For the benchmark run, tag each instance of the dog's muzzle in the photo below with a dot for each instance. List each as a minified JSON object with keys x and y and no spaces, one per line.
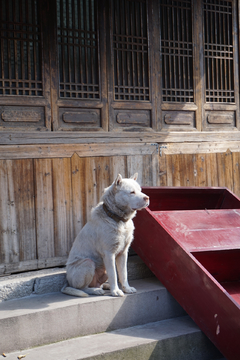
{"x":147,"y":202}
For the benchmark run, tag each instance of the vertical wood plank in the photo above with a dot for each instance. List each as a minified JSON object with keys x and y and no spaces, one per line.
{"x":102,"y":8}
{"x":201,"y":170}
{"x":53,"y":73}
{"x":162,"y":179}
{"x":190,"y":178}
{"x":62,"y":195}
{"x":44,"y":208}
{"x":4,"y":243}
{"x":176,"y":170}
{"x":23,"y":179}
{"x":235,"y":10}
{"x":228,"y":170}
{"x":78,"y":173}
{"x":90,"y":185}
{"x":198,"y":61}
{"x":102,"y":175}
{"x":9,"y":243}
{"x":211,"y":170}
{"x":46,"y":64}
{"x":118,"y":165}
{"x":147,"y":172}
{"x":155,"y":169}
{"x":169,"y":170}
{"x":221,"y":168}
{"x":155,"y":64}
{"x":183,"y":170}
{"x":236,"y":173}
{"x":135,"y":165}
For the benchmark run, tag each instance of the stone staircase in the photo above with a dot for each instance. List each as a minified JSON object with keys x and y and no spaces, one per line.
{"x":38,"y":321}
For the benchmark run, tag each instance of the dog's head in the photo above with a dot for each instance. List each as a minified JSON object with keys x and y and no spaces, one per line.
{"x":127,"y":194}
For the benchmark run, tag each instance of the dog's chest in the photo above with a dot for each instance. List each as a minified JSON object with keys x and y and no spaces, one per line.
{"x":123,"y":237}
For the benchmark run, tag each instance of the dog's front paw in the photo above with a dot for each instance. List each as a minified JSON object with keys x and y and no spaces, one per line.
{"x":117,"y":293}
{"x":129,"y":289}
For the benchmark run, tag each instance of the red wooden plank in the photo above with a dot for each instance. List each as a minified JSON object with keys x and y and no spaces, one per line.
{"x":191,"y":198}
{"x":203,"y":229}
{"x":165,"y":248}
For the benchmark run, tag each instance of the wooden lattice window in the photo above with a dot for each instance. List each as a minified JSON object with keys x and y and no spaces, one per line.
{"x":21,"y":58}
{"x":176,"y":50}
{"x":218,"y":51}
{"x":130,"y":46}
{"x":78,"y":49}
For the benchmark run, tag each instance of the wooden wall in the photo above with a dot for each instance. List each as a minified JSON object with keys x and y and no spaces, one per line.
{"x":47,"y":193}
{"x":214,"y":169}
{"x":45,"y":201}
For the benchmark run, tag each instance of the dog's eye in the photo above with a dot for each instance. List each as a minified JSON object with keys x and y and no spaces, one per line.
{"x":132,"y":192}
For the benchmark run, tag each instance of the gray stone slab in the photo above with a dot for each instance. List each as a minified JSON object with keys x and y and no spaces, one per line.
{"x":42,"y":319}
{"x":32,"y":282}
{"x":174,"y":339}
{"x":52,"y":280}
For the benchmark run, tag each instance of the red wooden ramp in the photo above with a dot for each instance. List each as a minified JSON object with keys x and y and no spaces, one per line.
{"x":190,"y":239}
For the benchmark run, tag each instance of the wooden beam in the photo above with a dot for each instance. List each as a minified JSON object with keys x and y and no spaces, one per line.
{"x":27,"y":137}
{"x":201,"y":147}
{"x":67,"y":151}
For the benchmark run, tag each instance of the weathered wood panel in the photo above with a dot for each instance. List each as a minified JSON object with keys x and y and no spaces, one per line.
{"x":118,"y":165}
{"x":78,"y":173}
{"x":23,"y":183}
{"x":67,"y":151}
{"x":206,"y":141}
{"x":44,"y":208}
{"x":236,"y":173}
{"x":90,"y":183}
{"x":211,"y":169}
{"x":9,"y":244}
{"x":45,"y":202}
{"x":62,"y":204}
{"x":215,"y":169}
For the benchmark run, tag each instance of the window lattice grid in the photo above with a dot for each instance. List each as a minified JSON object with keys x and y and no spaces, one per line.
{"x":20,"y":46}
{"x":78,"y":49}
{"x":130,"y":47}
{"x":218,"y":52}
{"x":176,"y":50}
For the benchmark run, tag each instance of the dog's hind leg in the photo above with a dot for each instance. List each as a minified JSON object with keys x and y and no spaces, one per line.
{"x":68,"y":290}
{"x":99,"y":278}
{"x":106,"y":286}
{"x":81,"y":275}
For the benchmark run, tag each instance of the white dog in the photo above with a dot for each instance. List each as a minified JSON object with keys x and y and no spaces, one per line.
{"x":103,"y":243}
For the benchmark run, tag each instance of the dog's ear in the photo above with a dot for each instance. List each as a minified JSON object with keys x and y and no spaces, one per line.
{"x":134,"y":177}
{"x":118,"y":180}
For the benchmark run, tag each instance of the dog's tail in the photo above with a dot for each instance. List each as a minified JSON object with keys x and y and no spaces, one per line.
{"x":73,"y":292}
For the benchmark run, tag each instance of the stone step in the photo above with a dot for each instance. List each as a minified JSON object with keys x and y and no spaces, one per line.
{"x":172,"y":339}
{"x":42,"y":319}
{"x":52,"y":280}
